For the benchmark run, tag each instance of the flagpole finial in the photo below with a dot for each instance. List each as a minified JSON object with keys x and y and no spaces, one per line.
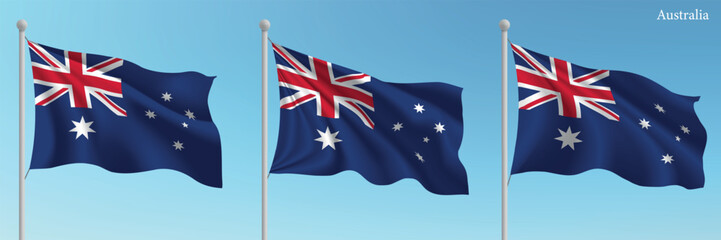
{"x":22,"y":25}
{"x":504,"y":24}
{"x":264,"y":24}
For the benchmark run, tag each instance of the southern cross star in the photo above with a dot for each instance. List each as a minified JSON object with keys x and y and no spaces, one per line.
{"x":190,"y":114}
{"x":178,"y":145}
{"x":685,"y":129}
{"x":659,"y":108}
{"x":185,"y":125}
{"x":166,"y":96}
{"x":150,"y":114}
{"x":667,"y":158}
{"x":328,"y":138}
{"x":439,"y":127}
{"x":568,"y":138}
{"x":644,"y":124}
{"x":419,"y":108}
{"x":82,"y":128}
{"x":397,"y":126}
{"x":426,"y":139}
{"x":420,"y":158}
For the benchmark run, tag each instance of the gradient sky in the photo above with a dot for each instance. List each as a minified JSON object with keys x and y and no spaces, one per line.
{"x":456,"y":42}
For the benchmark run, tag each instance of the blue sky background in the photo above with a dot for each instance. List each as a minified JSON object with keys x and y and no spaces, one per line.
{"x":456,"y":42}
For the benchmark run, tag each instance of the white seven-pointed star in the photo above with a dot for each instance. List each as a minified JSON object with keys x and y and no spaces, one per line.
{"x":439,"y":127}
{"x":644,"y":124}
{"x":150,"y":114}
{"x":178,"y":145}
{"x":82,"y":128}
{"x":419,"y":108}
{"x":397,"y":126}
{"x":426,"y":139}
{"x":166,"y":96}
{"x":667,"y":158}
{"x":659,"y":108}
{"x":185,"y":125}
{"x":678,"y":139}
{"x":420,"y":158}
{"x":685,"y":129}
{"x":568,"y":138}
{"x":190,"y":114}
{"x":328,"y":138}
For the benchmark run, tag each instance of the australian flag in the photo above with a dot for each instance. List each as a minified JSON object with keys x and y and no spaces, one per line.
{"x":573,"y":119}
{"x":335,"y":119}
{"x":114,"y":114}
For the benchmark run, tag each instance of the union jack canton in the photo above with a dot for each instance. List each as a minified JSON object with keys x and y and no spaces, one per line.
{"x":324,"y":86}
{"x":73,"y":76}
{"x":561,"y":85}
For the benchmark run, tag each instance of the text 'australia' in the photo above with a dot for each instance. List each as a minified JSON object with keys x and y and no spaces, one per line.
{"x":697,"y":14}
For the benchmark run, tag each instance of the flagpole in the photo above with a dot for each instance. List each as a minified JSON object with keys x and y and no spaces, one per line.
{"x":264,"y":26}
{"x":504,"y":24}
{"x":22,"y":25}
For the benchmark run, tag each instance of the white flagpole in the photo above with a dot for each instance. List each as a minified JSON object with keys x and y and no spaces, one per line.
{"x":264,"y":26}
{"x":504,"y":24}
{"x":22,"y":25}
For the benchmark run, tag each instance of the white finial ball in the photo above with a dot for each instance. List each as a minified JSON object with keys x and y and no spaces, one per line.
{"x":504,"y":24}
{"x":22,"y":25}
{"x":264,"y":24}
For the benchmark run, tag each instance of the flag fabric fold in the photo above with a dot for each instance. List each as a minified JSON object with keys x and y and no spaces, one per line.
{"x":335,"y":119}
{"x":119,"y":116}
{"x":573,"y":119}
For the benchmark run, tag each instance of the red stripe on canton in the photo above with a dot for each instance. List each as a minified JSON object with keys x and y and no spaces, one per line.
{"x":113,"y":104}
{"x":594,"y":74}
{"x":52,"y":97}
{"x":297,"y":101}
{"x":527,"y":59}
{"x":538,"y":101}
{"x":32,"y":45}
{"x":365,"y":116}
{"x":111,"y":61}
{"x":605,"y":110}
{"x":348,"y":78}
{"x":287,"y":58}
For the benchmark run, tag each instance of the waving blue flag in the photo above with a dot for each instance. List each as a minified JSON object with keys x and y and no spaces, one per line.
{"x":573,"y":119}
{"x":335,"y":119}
{"x":114,"y":114}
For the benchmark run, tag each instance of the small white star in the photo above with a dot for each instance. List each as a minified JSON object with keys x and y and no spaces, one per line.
{"x":678,"y":139}
{"x":82,"y":128}
{"x":644,"y":124}
{"x":190,"y":114}
{"x":328,"y":138}
{"x":150,"y":114}
{"x":178,"y":145}
{"x":659,"y":108}
{"x":420,"y":158}
{"x":439,"y":127}
{"x":568,"y":138}
{"x":685,"y":129}
{"x":166,"y":96}
{"x":419,"y":108}
{"x":667,"y":158}
{"x":185,"y":125}
{"x":397,"y":126}
{"x":426,"y":139}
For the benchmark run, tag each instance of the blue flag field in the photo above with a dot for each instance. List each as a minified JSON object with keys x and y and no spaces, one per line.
{"x":335,"y":119}
{"x":573,"y":119}
{"x":114,"y":114}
